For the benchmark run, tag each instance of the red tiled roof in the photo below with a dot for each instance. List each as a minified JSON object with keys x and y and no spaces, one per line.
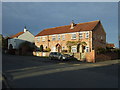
{"x":110,"y":45}
{"x":87,"y":26}
{"x":16,"y":35}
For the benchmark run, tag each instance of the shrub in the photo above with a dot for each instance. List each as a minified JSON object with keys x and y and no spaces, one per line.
{"x":41,"y":48}
{"x":69,"y":47}
{"x":64,"y":51}
{"x":47,"y":50}
{"x":101,"y":50}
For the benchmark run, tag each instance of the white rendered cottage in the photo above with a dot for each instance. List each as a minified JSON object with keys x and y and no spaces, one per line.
{"x":19,"y":38}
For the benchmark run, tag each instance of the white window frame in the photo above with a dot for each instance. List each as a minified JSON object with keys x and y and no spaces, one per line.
{"x":87,"y":49}
{"x":53,"y":37}
{"x":63,"y":48}
{"x":43,"y":38}
{"x":73,"y":36}
{"x":87,"y":35}
{"x":63,"y":37}
{"x":38,"y":39}
{"x":80,"y":35}
{"x":58,"y":37}
{"x":74,"y":49}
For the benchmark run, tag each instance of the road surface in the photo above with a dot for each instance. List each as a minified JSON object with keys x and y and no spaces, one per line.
{"x":37,"y":72}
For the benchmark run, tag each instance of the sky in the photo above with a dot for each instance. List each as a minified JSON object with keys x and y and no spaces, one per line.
{"x":37,"y":16}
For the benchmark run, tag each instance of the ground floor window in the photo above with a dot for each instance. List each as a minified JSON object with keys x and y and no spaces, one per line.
{"x":74,"y":49}
{"x":87,"y":49}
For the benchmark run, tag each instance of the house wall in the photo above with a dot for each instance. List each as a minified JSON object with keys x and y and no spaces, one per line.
{"x":68,"y":37}
{"x":12,"y":41}
{"x":99,"y":37}
{"x":27,"y":36}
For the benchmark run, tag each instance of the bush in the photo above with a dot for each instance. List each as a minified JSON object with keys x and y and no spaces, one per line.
{"x":64,"y":51}
{"x":47,"y":50}
{"x":101,"y":50}
{"x":41,"y":48}
{"x":69,"y":48}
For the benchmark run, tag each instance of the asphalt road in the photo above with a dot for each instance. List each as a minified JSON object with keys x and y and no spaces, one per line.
{"x":37,"y":72}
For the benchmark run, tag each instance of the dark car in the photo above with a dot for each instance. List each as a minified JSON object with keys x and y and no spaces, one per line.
{"x":59,"y":56}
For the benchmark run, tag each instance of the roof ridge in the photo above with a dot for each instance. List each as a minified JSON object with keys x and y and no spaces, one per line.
{"x":17,"y":34}
{"x":69,"y":25}
{"x":84,"y":26}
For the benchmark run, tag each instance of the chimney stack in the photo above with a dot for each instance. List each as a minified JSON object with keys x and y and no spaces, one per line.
{"x":25,"y":29}
{"x":72,"y":24}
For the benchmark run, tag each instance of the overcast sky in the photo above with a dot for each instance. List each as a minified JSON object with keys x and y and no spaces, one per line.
{"x":40,"y":15}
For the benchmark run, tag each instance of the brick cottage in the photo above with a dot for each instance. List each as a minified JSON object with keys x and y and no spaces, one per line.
{"x":82,"y":38}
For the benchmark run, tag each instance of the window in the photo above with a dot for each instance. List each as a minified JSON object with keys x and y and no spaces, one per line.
{"x":58,"y":37}
{"x":38,"y":39}
{"x":63,"y":37}
{"x":87,"y":49}
{"x":43,"y":38}
{"x":74,"y":36}
{"x":63,"y":48}
{"x":80,"y":36}
{"x":53,"y":38}
{"x":87,"y":35}
{"x":74,"y":49}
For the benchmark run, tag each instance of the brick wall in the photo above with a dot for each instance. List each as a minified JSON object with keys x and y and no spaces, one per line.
{"x":106,"y":56}
{"x":41,"y":53}
{"x":62,"y":43}
{"x":99,"y":37}
{"x":90,"y":56}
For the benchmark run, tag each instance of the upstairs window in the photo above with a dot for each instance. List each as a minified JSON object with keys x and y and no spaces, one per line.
{"x":43,"y":38}
{"x":53,"y":38}
{"x":63,"y":37}
{"x":74,"y":36}
{"x":38,"y":39}
{"x":87,"y":34}
{"x":80,"y":35}
{"x":58,"y":37}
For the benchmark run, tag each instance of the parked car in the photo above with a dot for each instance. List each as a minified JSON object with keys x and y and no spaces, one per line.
{"x":60,"y":56}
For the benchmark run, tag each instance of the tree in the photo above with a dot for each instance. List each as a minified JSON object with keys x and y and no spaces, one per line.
{"x":41,"y":48}
{"x":26,"y":47}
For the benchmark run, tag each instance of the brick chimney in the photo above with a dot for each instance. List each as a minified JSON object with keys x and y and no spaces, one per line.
{"x":72,"y":24}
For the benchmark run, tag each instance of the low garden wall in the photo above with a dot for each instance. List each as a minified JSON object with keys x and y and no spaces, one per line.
{"x":41,"y":53}
{"x":89,"y":57}
{"x":106,"y":56}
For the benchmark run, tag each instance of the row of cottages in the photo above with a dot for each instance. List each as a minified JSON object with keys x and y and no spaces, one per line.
{"x":15,"y":40}
{"x":82,"y":38}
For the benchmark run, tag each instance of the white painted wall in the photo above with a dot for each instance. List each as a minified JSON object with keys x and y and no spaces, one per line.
{"x":26,"y":36}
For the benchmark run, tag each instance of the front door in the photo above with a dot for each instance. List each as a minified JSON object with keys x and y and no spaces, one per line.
{"x":82,"y":53}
